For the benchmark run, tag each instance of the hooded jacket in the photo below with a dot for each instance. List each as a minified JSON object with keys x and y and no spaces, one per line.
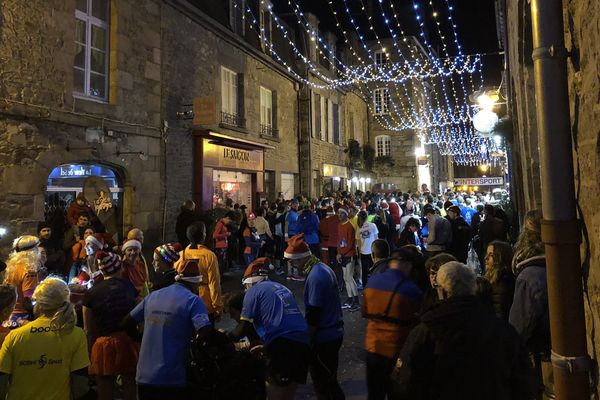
{"x":529,"y":311}
{"x":460,"y":350}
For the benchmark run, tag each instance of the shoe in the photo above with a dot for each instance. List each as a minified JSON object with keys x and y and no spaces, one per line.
{"x":354,"y":307}
{"x":346,"y":306}
{"x":298,"y":278}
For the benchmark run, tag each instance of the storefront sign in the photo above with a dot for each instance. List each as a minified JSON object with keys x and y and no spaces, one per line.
{"x":331,"y":170}
{"x":228,"y":157}
{"x":205,"y":110}
{"x":485,"y":181}
{"x":76,"y":171}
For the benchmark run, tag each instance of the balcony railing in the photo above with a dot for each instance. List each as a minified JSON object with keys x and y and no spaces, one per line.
{"x":268,"y":130}
{"x":232,"y":119}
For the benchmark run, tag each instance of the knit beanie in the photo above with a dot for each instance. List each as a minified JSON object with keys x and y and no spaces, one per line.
{"x":169,"y":253}
{"x":108,"y":263}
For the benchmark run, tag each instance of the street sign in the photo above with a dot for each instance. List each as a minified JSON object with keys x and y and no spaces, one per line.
{"x":485,"y":181}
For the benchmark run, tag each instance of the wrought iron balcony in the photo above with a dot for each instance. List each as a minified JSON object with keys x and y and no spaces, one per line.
{"x":232,"y":119}
{"x":268,"y":130}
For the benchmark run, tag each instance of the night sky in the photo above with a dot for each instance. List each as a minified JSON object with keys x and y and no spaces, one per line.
{"x":475,"y":23}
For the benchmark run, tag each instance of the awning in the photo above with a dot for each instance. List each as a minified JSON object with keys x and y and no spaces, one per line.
{"x":232,"y":141}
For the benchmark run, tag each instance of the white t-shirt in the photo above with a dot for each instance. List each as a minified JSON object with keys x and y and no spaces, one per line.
{"x":368,"y":234}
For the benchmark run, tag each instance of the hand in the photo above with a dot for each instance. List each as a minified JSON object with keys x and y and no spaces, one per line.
{"x":338,"y":258}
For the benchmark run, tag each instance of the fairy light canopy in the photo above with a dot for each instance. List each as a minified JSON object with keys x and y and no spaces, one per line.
{"x":404,"y":53}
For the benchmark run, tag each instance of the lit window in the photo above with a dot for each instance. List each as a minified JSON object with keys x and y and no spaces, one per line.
{"x":383,"y":146}
{"x":90,"y":65}
{"x":381,"y":100}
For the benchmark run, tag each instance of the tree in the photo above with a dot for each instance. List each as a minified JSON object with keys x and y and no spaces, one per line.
{"x":368,"y":156}
{"x":354,"y":153}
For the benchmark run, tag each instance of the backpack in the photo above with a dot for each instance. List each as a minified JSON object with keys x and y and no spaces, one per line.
{"x":183,"y":263}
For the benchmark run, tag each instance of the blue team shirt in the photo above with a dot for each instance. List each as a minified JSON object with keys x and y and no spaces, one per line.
{"x":292,"y":220}
{"x":467,"y":213}
{"x":171,"y":317}
{"x":272,"y":309}
{"x":322,"y":291}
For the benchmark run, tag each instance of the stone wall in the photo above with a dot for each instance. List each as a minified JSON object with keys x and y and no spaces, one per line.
{"x":582,"y":35}
{"x":195,"y":49}
{"x":40,"y":117}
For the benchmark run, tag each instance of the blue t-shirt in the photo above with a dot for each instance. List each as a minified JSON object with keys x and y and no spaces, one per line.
{"x":322,"y":291}
{"x":467,"y":213}
{"x":308,"y":223}
{"x":171,"y":317}
{"x":292,"y":220}
{"x":272,"y":309}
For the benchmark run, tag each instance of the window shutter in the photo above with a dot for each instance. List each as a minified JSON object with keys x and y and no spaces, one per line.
{"x":317,"y":115}
{"x":240,"y":98}
{"x":274,"y":113}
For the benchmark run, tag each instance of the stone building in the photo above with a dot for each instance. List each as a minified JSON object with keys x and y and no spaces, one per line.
{"x":582,"y":35}
{"x":401,"y":160}
{"x":329,"y":118}
{"x":243,"y":137}
{"x":80,"y":111}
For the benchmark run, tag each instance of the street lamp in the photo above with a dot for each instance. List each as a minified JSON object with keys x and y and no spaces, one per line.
{"x":484,"y":167}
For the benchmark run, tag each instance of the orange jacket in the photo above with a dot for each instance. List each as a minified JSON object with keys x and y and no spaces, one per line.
{"x":220,"y":235}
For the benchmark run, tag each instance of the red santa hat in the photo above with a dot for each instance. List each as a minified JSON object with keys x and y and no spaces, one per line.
{"x":257,"y":271}
{"x":297,"y":248}
{"x":96,"y":240}
{"x":131,"y":243}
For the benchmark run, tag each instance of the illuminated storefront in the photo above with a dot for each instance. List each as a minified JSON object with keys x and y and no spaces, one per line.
{"x":227,"y":168}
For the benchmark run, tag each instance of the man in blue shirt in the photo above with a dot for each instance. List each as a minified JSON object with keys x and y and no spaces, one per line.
{"x":171,"y":317}
{"x":323,"y":315}
{"x":272,"y":309}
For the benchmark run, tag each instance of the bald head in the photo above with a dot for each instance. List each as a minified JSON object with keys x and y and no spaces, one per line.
{"x":136,"y":234}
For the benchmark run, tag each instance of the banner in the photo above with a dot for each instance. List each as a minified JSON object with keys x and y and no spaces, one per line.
{"x":485,"y":181}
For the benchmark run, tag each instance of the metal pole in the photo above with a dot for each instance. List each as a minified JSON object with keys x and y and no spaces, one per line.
{"x":561,"y":232}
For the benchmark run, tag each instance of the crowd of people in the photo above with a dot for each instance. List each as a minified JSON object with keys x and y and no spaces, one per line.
{"x":453,"y":310}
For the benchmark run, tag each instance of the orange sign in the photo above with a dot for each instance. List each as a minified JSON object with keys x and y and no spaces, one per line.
{"x":205,"y":110}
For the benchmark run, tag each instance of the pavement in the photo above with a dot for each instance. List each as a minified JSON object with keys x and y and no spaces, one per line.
{"x":351,"y":370}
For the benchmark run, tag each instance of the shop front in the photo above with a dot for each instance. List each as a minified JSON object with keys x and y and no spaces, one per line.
{"x":334,"y":178}
{"x":227,"y":168}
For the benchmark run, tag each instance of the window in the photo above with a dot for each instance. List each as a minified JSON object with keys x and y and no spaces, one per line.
{"x":330,"y":120}
{"x":336,"y":123}
{"x":268,"y":116}
{"x":265,"y":26}
{"x":323,"y":118}
{"x":90,"y":66}
{"x":382,"y":101}
{"x":237,"y":17}
{"x":287,"y":185}
{"x":230,"y":105}
{"x":381,"y":59}
{"x":316,"y":115}
{"x":383,"y":146}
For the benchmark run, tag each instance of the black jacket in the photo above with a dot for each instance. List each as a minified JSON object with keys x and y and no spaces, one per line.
{"x":460,"y":350}
{"x":502,"y":295}
{"x":185,"y":219}
{"x":461,"y":237}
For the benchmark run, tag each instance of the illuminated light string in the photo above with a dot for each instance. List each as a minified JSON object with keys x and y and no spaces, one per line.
{"x":304,"y":59}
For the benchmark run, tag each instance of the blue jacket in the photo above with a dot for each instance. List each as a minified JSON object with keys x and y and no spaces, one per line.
{"x":308,"y":223}
{"x":529,"y":312}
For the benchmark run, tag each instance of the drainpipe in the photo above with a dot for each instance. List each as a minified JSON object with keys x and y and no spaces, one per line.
{"x":561,"y":231}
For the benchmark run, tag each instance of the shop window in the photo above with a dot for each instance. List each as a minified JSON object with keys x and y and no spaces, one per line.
{"x":91,"y":64}
{"x":232,"y":185}
{"x":383,"y":146}
{"x":101,"y":186}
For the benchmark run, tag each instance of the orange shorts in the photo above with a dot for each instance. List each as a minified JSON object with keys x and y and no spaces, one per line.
{"x":116,"y":354}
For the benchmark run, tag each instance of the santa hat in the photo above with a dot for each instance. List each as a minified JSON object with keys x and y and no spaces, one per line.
{"x":169,"y":253}
{"x":108,"y":263}
{"x":131,"y":243}
{"x":330,"y":211}
{"x":96,"y":239}
{"x":188,"y":271}
{"x":297,"y":248}
{"x":384,"y":205}
{"x":257,"y":271}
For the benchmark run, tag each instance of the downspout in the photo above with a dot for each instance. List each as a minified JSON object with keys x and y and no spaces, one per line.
{"x":561,"y":230}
